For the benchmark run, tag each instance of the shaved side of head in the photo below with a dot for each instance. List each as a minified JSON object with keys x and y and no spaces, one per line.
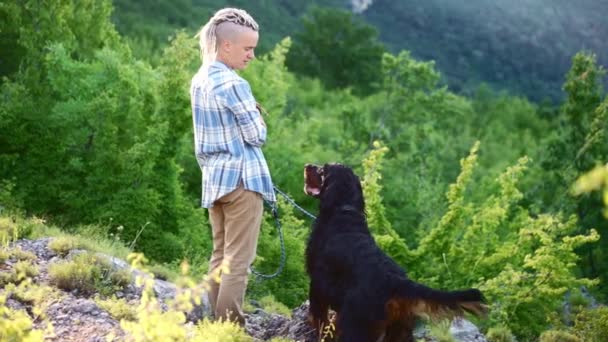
{"x":228,"y":31}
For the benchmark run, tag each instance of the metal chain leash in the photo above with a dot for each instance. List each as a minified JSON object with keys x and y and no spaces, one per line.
{"x":275,"y":213}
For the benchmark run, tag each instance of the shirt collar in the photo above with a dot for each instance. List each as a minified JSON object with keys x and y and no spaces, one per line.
{"x":219,"y":65}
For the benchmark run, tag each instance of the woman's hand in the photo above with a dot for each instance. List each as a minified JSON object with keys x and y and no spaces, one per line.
{"x":260,"y":109}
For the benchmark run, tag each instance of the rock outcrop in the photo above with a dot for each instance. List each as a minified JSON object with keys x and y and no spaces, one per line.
{"x":76,"y":316}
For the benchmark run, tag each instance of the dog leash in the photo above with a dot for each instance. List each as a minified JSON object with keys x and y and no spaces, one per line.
{"x":292,"y":202}
{"x":275,"y":213}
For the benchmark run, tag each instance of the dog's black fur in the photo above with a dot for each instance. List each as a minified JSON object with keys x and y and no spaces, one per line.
{"x":371,"y":295}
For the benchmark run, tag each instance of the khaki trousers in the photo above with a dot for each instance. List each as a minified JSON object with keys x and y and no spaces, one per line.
{"x":235,"y":222}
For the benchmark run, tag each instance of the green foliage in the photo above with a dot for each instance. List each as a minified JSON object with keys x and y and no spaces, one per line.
{"x":426,"y":128}
{"x":20,"y":271}
{"x":89,"y":110}
{"x":559,"y":336}
{"x":88,"y":273}
{"x":9,"y":230}
{"x":35,"y":295}
{"x":479,"y":41}
{"x":117,"y":308}
{"x":9,"y":203}
{"x":592,"y":324}
{"x":148,"y":27}
{"x":16,"y":325}
{"x":339,"y":49}
{"x":500,"y":333}
{"x":21,"y":255}
{"x":577,"y":299}
{"x":152,"y":323}
{"x":579,"y":145}
{"x":270,"y":304}
{"x":30,"y":26}
{"x":24,"y":269}
{"x":164,"y":272}
{"x":441,"y":331}
{"x":4,"y":254}
{"x":596,"y":179}
{"x":220,"y":331}
{"x":523,"y":263}
{"x":99,"y":141}
{"x":380,"y":227}
{"x":63,"y":245}
{"x":291,"y":286}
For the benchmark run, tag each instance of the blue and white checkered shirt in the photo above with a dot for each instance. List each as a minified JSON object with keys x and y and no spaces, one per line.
{"x":228,"y":134}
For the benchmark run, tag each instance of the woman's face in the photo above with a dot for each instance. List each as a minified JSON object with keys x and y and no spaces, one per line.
{"x":240,"y":50}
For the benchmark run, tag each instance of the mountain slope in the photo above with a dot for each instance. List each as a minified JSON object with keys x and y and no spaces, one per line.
{"x":525,"y":46}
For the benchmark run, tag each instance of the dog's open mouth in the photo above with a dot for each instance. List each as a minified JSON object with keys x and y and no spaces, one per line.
{"x":313,"y":180}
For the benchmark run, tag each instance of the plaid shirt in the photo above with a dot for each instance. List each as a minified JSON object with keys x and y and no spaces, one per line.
{"x":228,"y":135}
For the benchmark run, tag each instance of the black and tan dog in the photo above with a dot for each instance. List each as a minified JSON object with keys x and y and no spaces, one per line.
{"x":371,"y":295}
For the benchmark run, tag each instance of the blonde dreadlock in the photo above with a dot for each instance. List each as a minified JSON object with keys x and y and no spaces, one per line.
{"x":208,"y":40}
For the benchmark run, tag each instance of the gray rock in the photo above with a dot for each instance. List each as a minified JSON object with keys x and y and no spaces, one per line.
{"x":84,"y":306}
{"x":465,"y":331}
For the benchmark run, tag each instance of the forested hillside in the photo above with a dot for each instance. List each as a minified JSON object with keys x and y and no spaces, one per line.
{"x":461,"y":190}
{"x":523,"y":47}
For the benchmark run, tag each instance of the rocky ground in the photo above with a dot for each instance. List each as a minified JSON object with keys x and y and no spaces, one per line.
{"x":77,"y":317}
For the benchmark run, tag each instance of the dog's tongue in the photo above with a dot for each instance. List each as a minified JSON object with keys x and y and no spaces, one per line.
{"x":312,"y":191}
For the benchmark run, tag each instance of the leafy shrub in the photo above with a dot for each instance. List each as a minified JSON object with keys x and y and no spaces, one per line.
{"x":9,"y":230}
{"x":500,"y":333}
{"x":220,"y":331}
{"x":152,"y":323}
{"x":592,"y":324}
{"x":578,"y":299}
{"x":577,"y":303}
{"x":117,"y":308}
{"x":79,"y":273}
{"x":62,"y":245}
{"x":20,"y":271}
{"x":4,"y":254}
{"x":270,"y":304}
{"x":15,"y":253}
{"x":22,"y":255}
{"x":88,"y":273}
{"x":8,"y":201}
{"x":32,"y":294}
{"x":559,"y":336}
{"x":16,"y":325}
{"x":39,"y":297}
{"x":163,"y":272}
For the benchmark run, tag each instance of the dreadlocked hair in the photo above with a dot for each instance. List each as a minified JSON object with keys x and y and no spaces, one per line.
{"x":208,"y":34}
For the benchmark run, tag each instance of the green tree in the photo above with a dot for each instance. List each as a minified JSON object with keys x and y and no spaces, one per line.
{"x":338,"y":48}
{"x":524,"y":263}
{"x":579,"y":143}
{"x":88,"y":132}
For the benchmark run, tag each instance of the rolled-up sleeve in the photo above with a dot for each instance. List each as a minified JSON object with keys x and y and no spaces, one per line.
{"x":241,"y":102}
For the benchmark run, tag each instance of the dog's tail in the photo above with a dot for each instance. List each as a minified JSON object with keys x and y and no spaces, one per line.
{"x":417,"y":299}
